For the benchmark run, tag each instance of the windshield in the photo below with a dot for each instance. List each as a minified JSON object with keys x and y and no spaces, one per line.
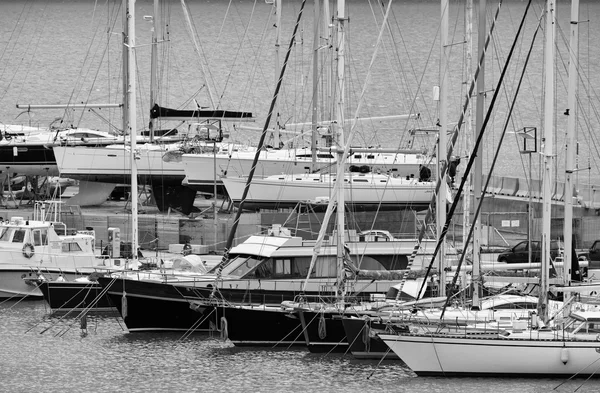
{"x":240,"y":266}
{"x":5,"y":236}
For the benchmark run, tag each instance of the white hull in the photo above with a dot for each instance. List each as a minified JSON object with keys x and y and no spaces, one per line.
{"x":14,"y":283}
{"x":360,"y":189}
{"x":111,"y":164}
{"x":200,"y":168}
{"x":447,"y":355}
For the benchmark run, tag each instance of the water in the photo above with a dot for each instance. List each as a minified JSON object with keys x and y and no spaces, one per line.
{"x":39,"y":352}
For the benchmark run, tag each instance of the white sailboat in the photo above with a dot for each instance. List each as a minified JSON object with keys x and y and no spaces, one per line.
{"x":237,"y":162}
{"x":368,"y":191}
{"x":564,"y":345}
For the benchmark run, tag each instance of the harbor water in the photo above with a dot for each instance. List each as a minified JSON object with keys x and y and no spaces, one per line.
{"x":53,"y":354}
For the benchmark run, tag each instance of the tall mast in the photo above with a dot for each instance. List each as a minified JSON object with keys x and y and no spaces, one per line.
{"x":466,"y":199}
{"x":443,"y":141}
{"x":339,"y":131}
{"x":570,"y":140}
{"x":131,"y":125}
{"x":154,"y":67}
{"x":315,"y":83}
{"x":125,"y":70}
{"x":478,"y":163}
{"x":547,"y":152}
{"x":277,"y":132}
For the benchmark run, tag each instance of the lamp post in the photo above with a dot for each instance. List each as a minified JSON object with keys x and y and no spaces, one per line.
{"x":529,"y":135}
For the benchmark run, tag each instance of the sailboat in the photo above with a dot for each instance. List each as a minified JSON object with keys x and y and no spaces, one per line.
{"x":563,"y":344}
{"x":111,"y":165}
{"x":364,"y":191}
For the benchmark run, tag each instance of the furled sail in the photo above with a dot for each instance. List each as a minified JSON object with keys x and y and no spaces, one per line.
{"x":198,"y":114}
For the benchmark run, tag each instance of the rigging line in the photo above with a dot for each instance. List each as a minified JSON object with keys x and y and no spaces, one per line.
{"x":403,"y":75}
{"x":477,"y":143}
{"x":262,"y":139}
{"x":224,"y":19}
{"x":429,"y":214}
{"x":20,"y":25}
{"x":199,"y":51}
{"x":247,"y":89}
{"x":415,"y":96}
{"x":394,"y":74}
{"x":499,"y":59}
{"x":40,"y":28}
{"x":81,"y":76}
{"x":241,"y":46}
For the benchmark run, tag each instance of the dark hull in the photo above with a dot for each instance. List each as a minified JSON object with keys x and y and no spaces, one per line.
{"x":75,"y":296}
{"x":363,"y":342}
{"x":323,"y":332}
{"x":259,"y":327}
{"x":120,"y":178}
{"x":32,"y":159}
{"x":206,"y":186}
{"x":156,"y":306}
{"x":153,"y":306}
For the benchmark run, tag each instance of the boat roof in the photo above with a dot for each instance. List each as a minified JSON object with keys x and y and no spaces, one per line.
{"x":265,"y":245}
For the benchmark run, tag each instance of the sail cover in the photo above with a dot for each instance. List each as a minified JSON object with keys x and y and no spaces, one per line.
{"x":198,"y":114}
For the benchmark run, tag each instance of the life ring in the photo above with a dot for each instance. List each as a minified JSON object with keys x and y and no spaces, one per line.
{"x":28,"y":250}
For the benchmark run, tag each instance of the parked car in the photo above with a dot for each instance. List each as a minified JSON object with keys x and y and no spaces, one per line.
{"x":594,"y":255}
{"x":520,"y":252}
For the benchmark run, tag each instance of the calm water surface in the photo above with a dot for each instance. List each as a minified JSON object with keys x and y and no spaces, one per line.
{"x":38,"y":353}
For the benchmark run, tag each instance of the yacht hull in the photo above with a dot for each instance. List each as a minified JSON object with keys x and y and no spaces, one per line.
{"x":471,"y":356}
{"x":371,"y":192}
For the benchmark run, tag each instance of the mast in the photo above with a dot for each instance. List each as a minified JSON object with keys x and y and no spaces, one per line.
{"x":443,"y":142}
{"x":478,"y":167}
{"x":277,"y":132}
{"x":130,"y":120}
{"x":466,"y":222}
{"x":339,"y":132}
{"x":570,"y":142}
{"x":125,"y":68}
{"x":547,"y":152}
{"x":315,"y":84}
{"x":154,"y":67}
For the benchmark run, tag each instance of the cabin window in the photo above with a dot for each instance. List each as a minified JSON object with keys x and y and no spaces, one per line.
{"x":283,"y":267}
{"x":19,"y":236}
{"x":70,"y":247}
{"x":40,"y":237}
{"x":240,"y":266}
{"x":264,"y":271}
{"x":301,"y":266}
{"x":326,"y":267}
{"x":5,"y":236}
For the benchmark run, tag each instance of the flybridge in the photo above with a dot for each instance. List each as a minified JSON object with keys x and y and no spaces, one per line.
{"x":198,"y":114}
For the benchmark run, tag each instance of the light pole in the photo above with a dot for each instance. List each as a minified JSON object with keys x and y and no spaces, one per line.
{"x":529,"y":135}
